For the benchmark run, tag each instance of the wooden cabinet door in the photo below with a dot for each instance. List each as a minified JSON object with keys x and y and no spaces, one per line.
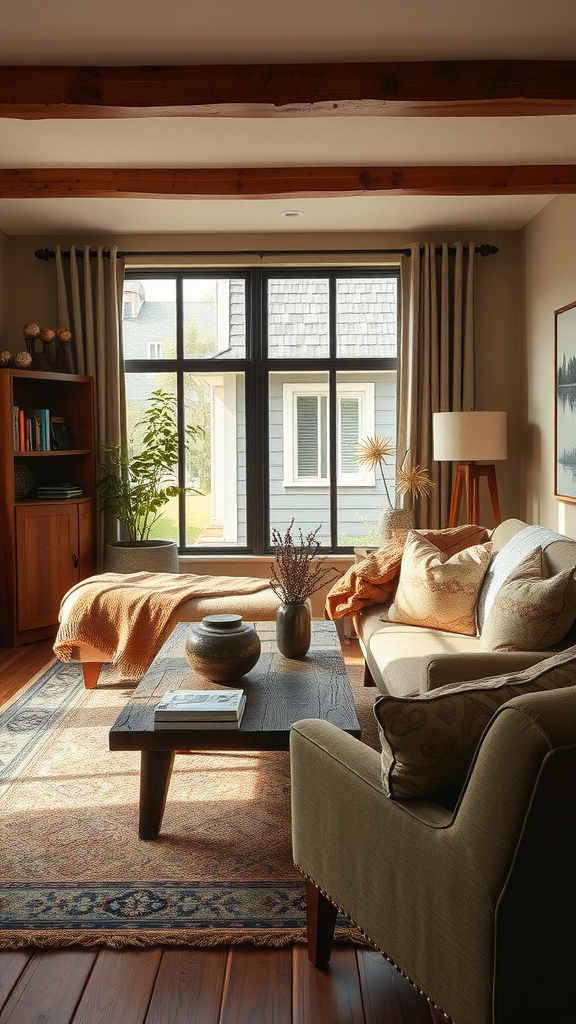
{"x":46,"y":561}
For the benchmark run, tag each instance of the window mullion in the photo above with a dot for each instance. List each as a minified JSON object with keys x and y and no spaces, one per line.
{"x":333,"y":415}
{"x":257,"y":419}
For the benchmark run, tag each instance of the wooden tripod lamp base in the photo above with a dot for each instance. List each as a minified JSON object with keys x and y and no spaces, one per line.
{"x":468,"y":476}
{"x":467,"y":438}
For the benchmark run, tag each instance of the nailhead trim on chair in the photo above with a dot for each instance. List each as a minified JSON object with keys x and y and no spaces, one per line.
{"x":389,"y":959}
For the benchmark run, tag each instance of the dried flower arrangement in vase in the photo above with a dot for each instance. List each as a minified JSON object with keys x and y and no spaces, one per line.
{"x":411,"y":480}
{"x":297,"y":573}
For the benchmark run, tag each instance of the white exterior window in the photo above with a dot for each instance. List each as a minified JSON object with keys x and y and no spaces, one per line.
{"x":306,"y":446}
{"x":155,"y":350}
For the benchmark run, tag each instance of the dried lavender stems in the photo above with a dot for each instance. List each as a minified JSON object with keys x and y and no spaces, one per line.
{"x":297,"y":572}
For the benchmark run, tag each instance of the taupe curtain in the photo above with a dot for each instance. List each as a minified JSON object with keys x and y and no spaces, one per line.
{"x":90,"y":305}
{"x":436,"y":360}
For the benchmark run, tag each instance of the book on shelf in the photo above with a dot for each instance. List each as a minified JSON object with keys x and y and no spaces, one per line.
{"x":33,"y":430}
{"x":61,"y":434}
{"x":16,"y":428}
{"x":22,"y":429}
{"x":188,"y":709}
{"x":59,"y":491}
{"x":39,"y":436}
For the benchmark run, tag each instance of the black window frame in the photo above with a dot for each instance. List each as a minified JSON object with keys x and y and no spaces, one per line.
{"x":256,"y":367}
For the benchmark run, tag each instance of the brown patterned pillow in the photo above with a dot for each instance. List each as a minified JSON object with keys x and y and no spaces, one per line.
{"x":437,"y":591}
{"x":429,"y":741}
{"x":531,"y":611}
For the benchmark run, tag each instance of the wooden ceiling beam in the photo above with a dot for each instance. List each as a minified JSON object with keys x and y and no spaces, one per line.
{"x":285,"y":182}
{"x":472,"y":88}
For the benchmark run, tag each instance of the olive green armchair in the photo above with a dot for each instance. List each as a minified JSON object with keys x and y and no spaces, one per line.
{"x":475,"y":905}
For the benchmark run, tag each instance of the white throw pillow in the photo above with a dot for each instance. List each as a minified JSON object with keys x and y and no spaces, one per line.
{"x":531,"y":611}
{"x":437,"y":591}
{"x":504,"y":562}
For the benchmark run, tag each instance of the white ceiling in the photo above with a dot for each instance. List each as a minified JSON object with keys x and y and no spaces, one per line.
{"x":181,"y":31}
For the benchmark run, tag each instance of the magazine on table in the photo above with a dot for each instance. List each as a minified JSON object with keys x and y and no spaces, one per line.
{"x":193,"y":725}
{"x":201,"y":706}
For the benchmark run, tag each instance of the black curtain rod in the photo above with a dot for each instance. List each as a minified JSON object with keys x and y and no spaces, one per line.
{"x":49,"y":254}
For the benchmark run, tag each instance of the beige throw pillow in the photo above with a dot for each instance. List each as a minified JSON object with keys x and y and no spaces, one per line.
{"x":437,"y":591}
{"x":429,"y":741}
{"x":531,"y":611}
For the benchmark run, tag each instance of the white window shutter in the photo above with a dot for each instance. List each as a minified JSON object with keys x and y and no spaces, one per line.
{"x":349,"y":434}
{"x":307,"y":436}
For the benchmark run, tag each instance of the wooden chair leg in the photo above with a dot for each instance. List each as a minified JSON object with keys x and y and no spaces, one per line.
{"x":321,"y":917}
{"x":91,"y":671}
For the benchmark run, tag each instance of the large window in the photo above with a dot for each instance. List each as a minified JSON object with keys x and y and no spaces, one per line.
{"x":285,"y":372}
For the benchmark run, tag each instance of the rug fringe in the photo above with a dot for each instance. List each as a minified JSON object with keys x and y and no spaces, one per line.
{"x":135,"y":939}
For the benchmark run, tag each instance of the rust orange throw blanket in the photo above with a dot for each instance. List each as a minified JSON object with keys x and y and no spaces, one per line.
{"x":127,"y":617}
{"x":374,"y":579}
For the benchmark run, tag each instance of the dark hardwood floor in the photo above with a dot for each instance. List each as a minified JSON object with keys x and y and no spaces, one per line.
{"x":235,"y":985}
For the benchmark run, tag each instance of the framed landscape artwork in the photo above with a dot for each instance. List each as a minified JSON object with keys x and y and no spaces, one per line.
{"x":565,"y":414}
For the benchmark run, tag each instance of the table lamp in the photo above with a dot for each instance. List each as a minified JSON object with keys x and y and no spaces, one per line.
{"x":466,"y":438}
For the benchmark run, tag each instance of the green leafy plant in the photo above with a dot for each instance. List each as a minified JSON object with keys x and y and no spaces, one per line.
{"x":135,"y":487}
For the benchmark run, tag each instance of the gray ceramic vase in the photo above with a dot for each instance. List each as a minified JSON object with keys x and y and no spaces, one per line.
{"x":222,"y":647}
{"x":293,"y":630}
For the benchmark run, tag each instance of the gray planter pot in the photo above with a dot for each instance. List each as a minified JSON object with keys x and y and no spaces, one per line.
{"x":127,"y":556}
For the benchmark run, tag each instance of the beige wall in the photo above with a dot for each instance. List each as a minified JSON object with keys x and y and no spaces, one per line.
{"x":549,"y":254}
{"x":31,"y":286}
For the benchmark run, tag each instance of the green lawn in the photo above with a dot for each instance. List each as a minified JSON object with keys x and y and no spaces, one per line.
{"x":198,"y":512}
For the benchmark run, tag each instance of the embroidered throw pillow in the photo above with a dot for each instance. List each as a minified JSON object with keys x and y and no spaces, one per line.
{"x":429,"y":741}
{"x":437,"y":591}
{"x":504,"y":562}
{"x":531,"y":611}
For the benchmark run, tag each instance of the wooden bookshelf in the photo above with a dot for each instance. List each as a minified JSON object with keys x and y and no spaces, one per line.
{"x":46,"y":544}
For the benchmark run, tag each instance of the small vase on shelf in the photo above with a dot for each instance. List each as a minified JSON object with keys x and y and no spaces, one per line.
{"x":293,"y":630}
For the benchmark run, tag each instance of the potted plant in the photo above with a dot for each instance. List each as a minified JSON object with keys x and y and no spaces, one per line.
{"x":297,"y":573}
{"x":411,"y":480}
{"x":136,"y":486}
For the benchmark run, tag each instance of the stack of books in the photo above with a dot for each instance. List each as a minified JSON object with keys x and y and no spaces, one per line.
{"x":60,"y":491}
{"x":35,"y":430}
{"x":200,"y":709}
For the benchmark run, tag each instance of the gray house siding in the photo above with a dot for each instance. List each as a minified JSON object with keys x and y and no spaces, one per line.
{"x":359,"y":507}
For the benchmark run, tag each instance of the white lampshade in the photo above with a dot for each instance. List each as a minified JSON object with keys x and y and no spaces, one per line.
{"x":469,"y":436}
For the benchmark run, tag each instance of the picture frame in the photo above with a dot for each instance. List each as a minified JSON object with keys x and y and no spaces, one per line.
{"x":565,"y":403}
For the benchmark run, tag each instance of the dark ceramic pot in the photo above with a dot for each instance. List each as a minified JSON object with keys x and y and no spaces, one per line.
{"x":222,"y":647}
{"x":293,"y":630}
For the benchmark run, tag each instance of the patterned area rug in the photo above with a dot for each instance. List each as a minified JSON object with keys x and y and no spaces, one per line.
{"x":74,"y":871}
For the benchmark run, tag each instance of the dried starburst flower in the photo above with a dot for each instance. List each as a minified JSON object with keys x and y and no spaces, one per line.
{"x":415,"y":482}
{"x":373,"y":453}
{"x":298,"y":572}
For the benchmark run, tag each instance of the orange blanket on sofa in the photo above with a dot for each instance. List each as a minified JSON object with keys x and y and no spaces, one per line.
{"x":374,"y":579}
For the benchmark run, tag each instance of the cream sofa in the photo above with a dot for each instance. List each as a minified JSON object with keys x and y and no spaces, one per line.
{"x":403,"y":660}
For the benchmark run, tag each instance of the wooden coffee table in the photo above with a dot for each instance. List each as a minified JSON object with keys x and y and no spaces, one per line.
{"x":279,"y":692}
